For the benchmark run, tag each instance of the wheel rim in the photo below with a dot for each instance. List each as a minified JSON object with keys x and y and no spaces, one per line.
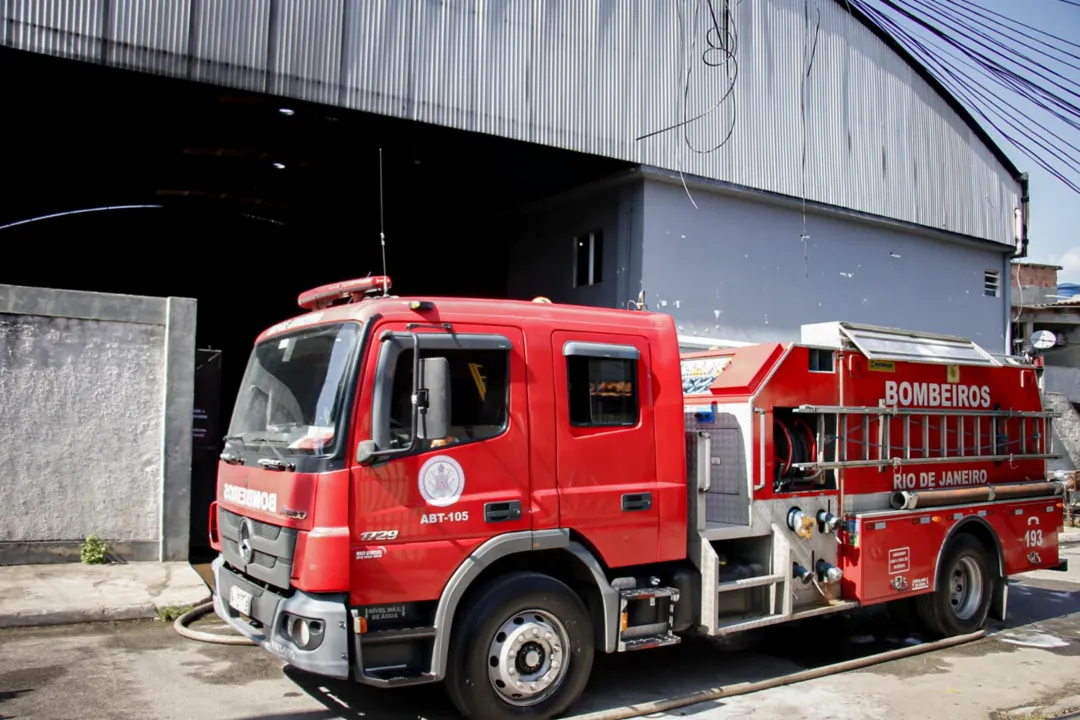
{"x":966,"y":588}
{"x":527,"y":658}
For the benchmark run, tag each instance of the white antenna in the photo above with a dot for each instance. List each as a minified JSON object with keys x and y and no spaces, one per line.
{"x":382,"y":229}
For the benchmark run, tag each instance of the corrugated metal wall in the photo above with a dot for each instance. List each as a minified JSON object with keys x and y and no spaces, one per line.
{"x":587,"y":75}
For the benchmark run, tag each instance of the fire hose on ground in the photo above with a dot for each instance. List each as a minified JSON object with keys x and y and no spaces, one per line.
{"x":718,"y":693}
{"x":181,"y":626}
{"x":658,"y":706}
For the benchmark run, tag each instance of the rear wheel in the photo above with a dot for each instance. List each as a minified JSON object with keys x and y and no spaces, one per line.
{"x":960,"y":602}
{"x":523,"y":647}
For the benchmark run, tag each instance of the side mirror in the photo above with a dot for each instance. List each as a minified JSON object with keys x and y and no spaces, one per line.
{"x":366,"y":452}
{"x":434,"y":422}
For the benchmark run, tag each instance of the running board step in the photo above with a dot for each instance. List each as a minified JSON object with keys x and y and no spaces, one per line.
{"x":392,"y":677}
{"x":633,"y":594}
{"x":650,"y":641}
{"x":744,"y":583}
{"x":646,"y":617}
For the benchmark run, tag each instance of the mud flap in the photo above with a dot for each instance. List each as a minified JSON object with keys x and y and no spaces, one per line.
{"x":999,"y":601}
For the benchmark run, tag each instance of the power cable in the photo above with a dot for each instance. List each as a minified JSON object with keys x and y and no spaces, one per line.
{"x":966,"y":25}
{"x":961,"y":9}
{"x":990,"y":62}
{"x":961,"y":88}
{"x":963,"y":54}
{"x":988,"y":11}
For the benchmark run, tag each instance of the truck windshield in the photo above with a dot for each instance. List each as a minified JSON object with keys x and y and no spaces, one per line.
{"x":293,"y":394}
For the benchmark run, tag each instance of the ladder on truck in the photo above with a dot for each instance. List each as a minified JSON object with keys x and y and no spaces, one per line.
{"x":1035,"y":441}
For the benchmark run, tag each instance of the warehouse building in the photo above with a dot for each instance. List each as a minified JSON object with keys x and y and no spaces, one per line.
{"x":747,"y":167}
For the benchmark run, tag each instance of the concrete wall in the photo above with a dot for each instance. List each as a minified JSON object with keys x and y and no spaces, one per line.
{"x":735,"y":268}
{"x":96,"y":395}
{"x":541,"y":255}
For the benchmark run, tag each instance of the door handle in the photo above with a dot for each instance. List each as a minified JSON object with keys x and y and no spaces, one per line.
{"x":502,"y":511}
{"x":636,"y":501}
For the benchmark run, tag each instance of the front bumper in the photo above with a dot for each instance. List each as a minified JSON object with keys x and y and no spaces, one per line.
{"x":268,"y":607}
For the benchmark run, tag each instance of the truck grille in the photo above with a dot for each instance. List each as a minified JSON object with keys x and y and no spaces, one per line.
{"x":272,"y":546}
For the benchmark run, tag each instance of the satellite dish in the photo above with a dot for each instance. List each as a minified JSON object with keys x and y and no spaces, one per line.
{"x":1043,"y":339}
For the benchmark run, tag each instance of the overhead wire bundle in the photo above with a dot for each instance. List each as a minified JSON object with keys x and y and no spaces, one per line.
{"x":1002,"y":69}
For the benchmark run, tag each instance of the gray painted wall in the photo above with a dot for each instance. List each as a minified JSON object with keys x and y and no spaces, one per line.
{"x":735,"y":269}
{"x":1062,"y":388}
{"x":1062,"y":379}
{"x":96,"y":402}
{"x":589,"y":76}
{"x":541,"y":255}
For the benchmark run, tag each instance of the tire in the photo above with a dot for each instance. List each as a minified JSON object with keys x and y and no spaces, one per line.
{"x":960,"y":603}
{"x":554,"y":632}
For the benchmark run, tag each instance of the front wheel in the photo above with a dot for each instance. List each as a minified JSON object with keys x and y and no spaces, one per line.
{"x":523,"y":647}
{"x":960,"y":603}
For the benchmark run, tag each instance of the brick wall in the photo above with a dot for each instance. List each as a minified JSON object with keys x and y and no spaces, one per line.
{"x":1042,"y":276}
{"x":1033,"y":284}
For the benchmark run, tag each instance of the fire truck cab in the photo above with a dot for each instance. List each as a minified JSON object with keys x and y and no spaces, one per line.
{"x":488,"y":492}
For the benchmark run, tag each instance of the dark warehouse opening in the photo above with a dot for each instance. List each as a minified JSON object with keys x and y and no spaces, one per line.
{"x":242,"y":201}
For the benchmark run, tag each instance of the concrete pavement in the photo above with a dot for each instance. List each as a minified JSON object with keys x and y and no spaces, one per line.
{"x":75,"y":593}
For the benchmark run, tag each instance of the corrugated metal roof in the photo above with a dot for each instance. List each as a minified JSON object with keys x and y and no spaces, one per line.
{"x":589,"y":76}
{"x":1060,"y":304}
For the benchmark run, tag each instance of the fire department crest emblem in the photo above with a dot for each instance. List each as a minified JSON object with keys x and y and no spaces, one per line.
{"x":441,"y":481}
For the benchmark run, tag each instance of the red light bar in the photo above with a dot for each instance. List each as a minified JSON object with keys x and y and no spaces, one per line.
{"x":325,"y":295}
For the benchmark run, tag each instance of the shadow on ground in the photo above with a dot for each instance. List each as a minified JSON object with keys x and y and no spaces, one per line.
{"x":700,"y":664}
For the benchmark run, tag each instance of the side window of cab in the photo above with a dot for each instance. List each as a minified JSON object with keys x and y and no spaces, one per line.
{"x":479,"y":395}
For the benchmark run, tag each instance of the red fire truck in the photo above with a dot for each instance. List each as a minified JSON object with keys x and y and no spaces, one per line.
{"x":489,"y":492}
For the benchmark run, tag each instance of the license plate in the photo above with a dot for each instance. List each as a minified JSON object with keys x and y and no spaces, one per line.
{"x":240,"y":601}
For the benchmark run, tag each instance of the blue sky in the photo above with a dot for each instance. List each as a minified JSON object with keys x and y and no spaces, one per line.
{"x":1054,"y":226}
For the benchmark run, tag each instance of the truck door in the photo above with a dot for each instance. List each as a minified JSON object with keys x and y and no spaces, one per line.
{"x":416,"y":516}
{"x":606,"y":447}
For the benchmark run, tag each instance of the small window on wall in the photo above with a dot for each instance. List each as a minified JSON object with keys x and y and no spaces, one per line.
{"x":602,"y":385}
{"x":991,"y":283}
{"x":588,"y":259}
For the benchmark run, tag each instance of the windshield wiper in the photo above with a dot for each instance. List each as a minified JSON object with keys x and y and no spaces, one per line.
{"x":275,"y":464}
{"x":232,"y":458}
{"x":263,"y":440}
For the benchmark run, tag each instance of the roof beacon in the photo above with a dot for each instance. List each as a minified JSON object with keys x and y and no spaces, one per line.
{"x":348,"y":290}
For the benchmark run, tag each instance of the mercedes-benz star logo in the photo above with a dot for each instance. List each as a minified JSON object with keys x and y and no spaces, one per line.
{"x":247,"y":553}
